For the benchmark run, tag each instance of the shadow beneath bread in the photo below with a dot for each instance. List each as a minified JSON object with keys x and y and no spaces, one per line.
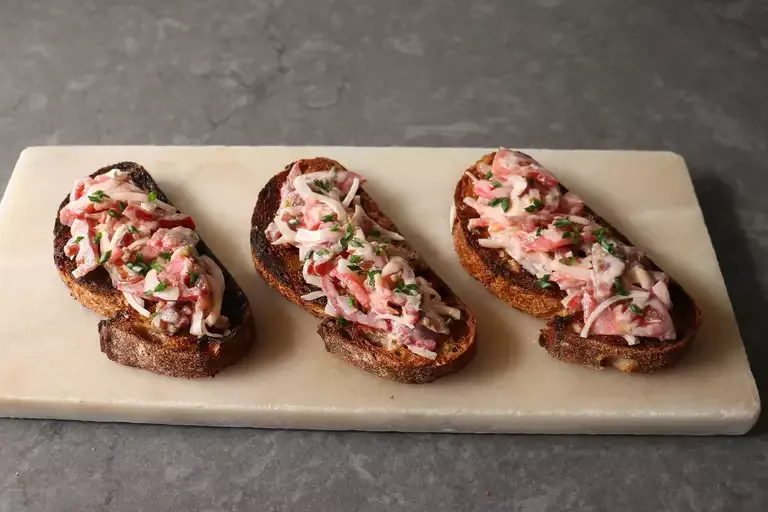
{"x":717,"y":200}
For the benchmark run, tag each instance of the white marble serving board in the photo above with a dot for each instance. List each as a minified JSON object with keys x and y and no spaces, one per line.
{"x":51,"y":366}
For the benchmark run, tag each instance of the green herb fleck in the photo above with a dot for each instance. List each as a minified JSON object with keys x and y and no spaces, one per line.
{"x":152,"y":196}
{"x":380,"y":249}
{"x":350,"y":301}
{"x":562,"y":223}
{"x":293,"y":222}
{"x":105,"y":257}
{"x":154,"y":265}
{"x":619,"y":288}
{"x":636,"y":310}
{"x":77,"y":240}
{"x":322,"y":252}
{"x":567,"y":261}
{"x":372,"y":276}
{"x":335,"y":227}
{"x":355,"y":258}
{"x":132,"y":230}
{"x":341,"y":321}
{"x":503,"y":201}
{"x":97,"y":237}
{"x":375,"y":233}
{"x":353,"y":268}
{"x":327,"y":218}
{"x":543,"y":282}
{"x":535,"y":205}
{"x":192,"y":277}
{"x":122,"y":205}
{"x":148,"y":293}
{"x":488,"y":175}
{"x":97,"y":196}
{"x":308,"y":255}
{"x":355,"y":242}
{"x":162,"y":285}
{"x":407,"y":289}
{"x":538,"y":231}
{"x":496,"y":184}
{"x":113,"y":214}
{"x":323,"y":185}
{"x":166,"y":256}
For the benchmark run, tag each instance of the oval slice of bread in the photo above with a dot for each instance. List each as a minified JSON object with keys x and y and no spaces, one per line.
{"x":280,"y":267}
{"x":128,"y":338}
{"x":506,"y":279}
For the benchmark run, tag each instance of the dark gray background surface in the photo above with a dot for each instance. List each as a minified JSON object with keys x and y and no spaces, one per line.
{"x":688,"y":76}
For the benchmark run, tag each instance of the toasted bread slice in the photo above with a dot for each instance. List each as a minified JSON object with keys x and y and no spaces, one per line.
{"x":280,"y":267}
{"x":510,"y":282}
{"x":128,"y":338}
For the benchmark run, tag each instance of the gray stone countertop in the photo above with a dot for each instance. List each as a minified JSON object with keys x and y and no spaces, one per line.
{"x":688,"y":76}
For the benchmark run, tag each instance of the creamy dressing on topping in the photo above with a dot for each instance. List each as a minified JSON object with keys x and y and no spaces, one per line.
{"x":350,"y":258}
{"x":148,"y":249}
{"x":521,"y":206}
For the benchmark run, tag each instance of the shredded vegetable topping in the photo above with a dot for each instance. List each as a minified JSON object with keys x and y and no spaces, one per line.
{"x":352,"y":260}
{"x":148,"y":248}
{"x":523,"y":212}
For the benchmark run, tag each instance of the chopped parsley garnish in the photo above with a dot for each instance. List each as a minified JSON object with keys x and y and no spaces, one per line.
{"x":293,"y":222}
{"x":568,"y":261}
{"x":600,"y":235}
{"x":105,"y":257}
{"x":341,"y":321}
{"x":162,"y":285}
{"x":152,"y":196}
{"x":380,"y":249}
{"x":322,"y":252}
{"x":113,"y":214}
{"x":350,"y":301}
{"x":573,"y":235}
{"x":344,"y":240}
{"x":97,"y":196}
{"x":77,"y":240}
{"x":97,"y":237}
{"x":619,"y":288}
{"x":353,"y":268}
{"x":636,"y":310}
{"x":132,"y":230}
{"x":148,"y":293}
{"x":535,"y":205}
{"x":166,"y":256}
{"x":496,"y":184}
{"x":154,"y":265}
{"x":503,"y":201}
{"x":562,"y":223}
{"x":407,"y":289}
{"x":355,"y":258}
{"x":323,"y":185}
{"x":122,"y":205}
{"x":488,"y":175}
{"x":375,"y":233}
{"x":192,"y":277}
{"x":372,"y":276}
{"x":538,"y":231}
{"x":355,"y":242}
{"x":308,"y":255}
{"x":543,"y":282}
{"x":327,"y":218}
{"x":335,"y":227}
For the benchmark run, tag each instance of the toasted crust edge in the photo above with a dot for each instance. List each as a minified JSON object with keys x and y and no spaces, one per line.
{"x":281,"y":269}
{"x":176,"y":356}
